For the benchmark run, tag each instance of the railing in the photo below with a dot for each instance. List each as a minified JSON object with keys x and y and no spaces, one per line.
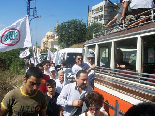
{"x":142,"y":82}
{"x":115,"y":27}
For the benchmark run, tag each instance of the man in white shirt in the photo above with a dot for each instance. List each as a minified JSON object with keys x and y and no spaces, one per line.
{"x":52,"y":72}
{"x":61,"y":81}
{"x":80,"y":65}
{"x":46,"y":65}
{"x":72,"y":94}
{"x":91,"y":61}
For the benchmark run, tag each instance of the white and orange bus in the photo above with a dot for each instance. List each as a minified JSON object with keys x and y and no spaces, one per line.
{"x":125,"y":60}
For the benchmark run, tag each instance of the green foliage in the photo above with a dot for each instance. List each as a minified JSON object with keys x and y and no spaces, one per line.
{"x":71,"y":32}
{"x":94,"y":28}
{"x":10,"y":61}
{"x":17,"y":66}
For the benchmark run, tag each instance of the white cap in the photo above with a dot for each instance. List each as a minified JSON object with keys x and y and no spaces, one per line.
{"x":90,"y":55}
{"x":52,"y":68}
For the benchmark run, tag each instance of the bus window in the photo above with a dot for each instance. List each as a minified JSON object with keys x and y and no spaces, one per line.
{"x":125,"y":57}
{"x":149,"y":54}
{"x":104,"y":57}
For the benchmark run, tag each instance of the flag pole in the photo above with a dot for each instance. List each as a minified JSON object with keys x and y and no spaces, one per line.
{"x":34,"y":15}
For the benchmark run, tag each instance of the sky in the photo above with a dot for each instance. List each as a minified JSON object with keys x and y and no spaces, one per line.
{"x":51,"y":12}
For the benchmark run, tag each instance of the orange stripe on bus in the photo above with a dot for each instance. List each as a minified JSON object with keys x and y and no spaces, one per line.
{"x":123,"y":105}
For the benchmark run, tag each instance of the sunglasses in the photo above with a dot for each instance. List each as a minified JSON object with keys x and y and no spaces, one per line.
{"x":80,"y":58}
{"x":90,"y":58}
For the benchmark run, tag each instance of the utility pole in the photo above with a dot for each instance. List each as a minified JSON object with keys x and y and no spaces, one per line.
{"x":32,"y":10}
{"x":32,"y":14}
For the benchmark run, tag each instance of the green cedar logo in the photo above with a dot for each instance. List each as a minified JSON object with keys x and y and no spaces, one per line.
{"x":10,"y":37}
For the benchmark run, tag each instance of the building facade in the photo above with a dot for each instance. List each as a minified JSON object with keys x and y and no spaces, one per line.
{"x":49,"y":41}
{"x":102,"y":13}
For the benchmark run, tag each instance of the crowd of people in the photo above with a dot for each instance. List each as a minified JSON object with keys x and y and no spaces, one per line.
{"x":47,"y":92}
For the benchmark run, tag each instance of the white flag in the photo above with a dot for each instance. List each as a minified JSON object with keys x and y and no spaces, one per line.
{"x":37,"y":57}
{"x":24,"y":53}
{"x":57,"y":59}
{"x":34,"y":56}
{"x":50,"y":55}
{"x":16,"y":36}
{"x":31,"y":60}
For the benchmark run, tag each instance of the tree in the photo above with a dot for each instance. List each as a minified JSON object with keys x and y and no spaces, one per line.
{"x":10,"y":60}
{"x":93,"y":29}
{"x":71,"y":32}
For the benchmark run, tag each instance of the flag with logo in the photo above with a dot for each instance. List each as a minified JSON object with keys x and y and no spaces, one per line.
{"x":24,"y":53}
{"x":16,"y":36}
{"x":50,"y":55}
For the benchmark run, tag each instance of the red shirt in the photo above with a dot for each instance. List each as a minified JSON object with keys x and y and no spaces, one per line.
{"x":43,"y":83}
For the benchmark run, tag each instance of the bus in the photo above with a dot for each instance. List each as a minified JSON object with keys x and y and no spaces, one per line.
{"x":125,"y":59}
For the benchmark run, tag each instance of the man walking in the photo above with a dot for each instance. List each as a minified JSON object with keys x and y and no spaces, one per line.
{"x":26,"y":100}
{"x":80,"y":65}
{"x":61,"y":81}
{"x":72,"y":94}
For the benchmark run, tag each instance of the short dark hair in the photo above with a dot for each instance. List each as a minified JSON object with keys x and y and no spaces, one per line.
{"x":39,"y":65}
{"x":79,"y":72}
{"x":141,"y":109}
{"x":94,"y":98}
{"x":79,"y":55}
{"x":45,"y":61}
{"x":50,"y":82}
{"x":35,"y":72}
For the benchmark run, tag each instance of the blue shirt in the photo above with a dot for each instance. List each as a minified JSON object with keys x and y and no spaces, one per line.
{"x":70,"y":93}
{"x":91,"y":74}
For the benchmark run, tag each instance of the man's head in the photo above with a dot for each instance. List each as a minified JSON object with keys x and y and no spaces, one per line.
{"x":31,"y":65}
{"x":50,"y":84}
{"x":61,"y":75}
{"x":119,"y":56}
{"x":32,"y":80}
{"x":91,"y":57}
{"x":46,"y":65}
{"x":79,"y":59}
{"x":141,"y":109}
{"x":82,"y":79}
{"x":40,"y":66}
{"x":52,"y":71}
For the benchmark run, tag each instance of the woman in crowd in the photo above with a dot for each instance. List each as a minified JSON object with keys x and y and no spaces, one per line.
{"x":94,"y":102}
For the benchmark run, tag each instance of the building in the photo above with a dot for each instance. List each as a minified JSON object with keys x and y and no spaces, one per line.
{"x":102,"y":13}
{"x":49,"y":41}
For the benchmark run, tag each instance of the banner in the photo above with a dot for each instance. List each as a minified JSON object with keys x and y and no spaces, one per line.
{"x":34,"y":56}
{"x":37,"y":57}
{"x":16,"y":36}
{"x":50,"y":55}
{"x":57,"y":59}
{"x":24,"y":53}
